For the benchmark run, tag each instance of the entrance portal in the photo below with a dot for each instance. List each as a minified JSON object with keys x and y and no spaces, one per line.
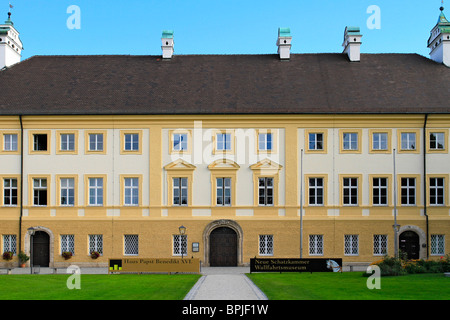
{"x":223,"y":247}
{"x":409,"y":243}
{"x":41,"y":249}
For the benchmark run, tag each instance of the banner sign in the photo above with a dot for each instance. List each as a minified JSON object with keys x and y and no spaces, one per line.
{"x":154,"y":265}
{"x":295,"y":265}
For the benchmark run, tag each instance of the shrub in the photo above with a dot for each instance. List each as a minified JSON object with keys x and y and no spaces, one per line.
{"x":67,"y":255}
{"x":8,"y":255}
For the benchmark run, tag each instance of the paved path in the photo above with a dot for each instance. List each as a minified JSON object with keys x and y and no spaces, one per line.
{"x":225,"y":284}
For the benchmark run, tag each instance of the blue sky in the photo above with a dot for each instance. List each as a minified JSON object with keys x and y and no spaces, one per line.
{"x":219,"y":26}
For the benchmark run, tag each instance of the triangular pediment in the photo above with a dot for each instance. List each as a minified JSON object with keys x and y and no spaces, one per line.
{"x":179,"y":164}
{"x":224,"y":164}
{"x":266,"y":164}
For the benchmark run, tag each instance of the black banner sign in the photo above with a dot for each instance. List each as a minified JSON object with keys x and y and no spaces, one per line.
{"x":295,"y":265}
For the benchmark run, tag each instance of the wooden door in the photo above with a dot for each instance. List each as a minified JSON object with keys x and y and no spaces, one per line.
{"x":409,"y":243}
{"x":223,"y":247}
{"x":41,"y":249}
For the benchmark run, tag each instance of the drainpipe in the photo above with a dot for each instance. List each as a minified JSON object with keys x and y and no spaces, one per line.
{"x":21,"y":184}
{"x":425,"y":178}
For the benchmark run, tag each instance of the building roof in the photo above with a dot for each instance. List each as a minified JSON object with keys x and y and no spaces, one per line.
{"x":225,"y":84}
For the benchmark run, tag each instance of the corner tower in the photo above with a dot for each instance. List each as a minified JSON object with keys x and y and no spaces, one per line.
{"x":10,"y":44}
{"x":439,"y":41}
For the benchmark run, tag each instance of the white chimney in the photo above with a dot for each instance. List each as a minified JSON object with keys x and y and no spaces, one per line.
{"x":352,"y":43}
{"x":167,"y":44}
{"x":439,"y":41}
{"x":10,"y":45}
{"x":284,"y":43}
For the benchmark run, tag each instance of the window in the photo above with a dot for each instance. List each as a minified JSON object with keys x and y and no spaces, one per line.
{"x":350,"y":141}
{"x":10,"y":142}
{"x":437,"y":141}
{"x":437,"y":191}
{"x":379,"y":244}
{"x":131,"y":142}
{"x":180,"y":191}
{"x":10,"y":243}
{"x":67,"y":191}
{"x":380,"y":191}
{"x":131,"y":244}
{"x":9,"y":192}
{"x":379,"y":141}
{"x":68,"y":243}
{"x":316,"y":193}
{"x":266,"y":245}
{"x":315,"y":141}
{"x":316,"y":244}
{"x":131,"y":187}
{"x":223,"y":142}
{"x":95,"y":141}
{"x":351,"y":245}
{"x":40,"y":192}
{"x":179,"y":244}
{"x":350,"y":191}
{"x":67,"y":142}
{"x":95,"y":191}
{"x":437,"y":244}
{"x":180,"y":142}
{"x":223,"y":187}
{"x":265,"y":141}
{"x":96,"y":243}
{"x":408,"y":141}
{"x":408,"y":191}
{"x":40,"y":142}
{"x":265,"y":191}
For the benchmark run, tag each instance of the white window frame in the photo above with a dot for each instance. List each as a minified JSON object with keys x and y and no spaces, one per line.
{"x":131,"y":191}
{"x":67,"y":142}
{"x":380,"y":141}
{"x":380,"y":244}
{"x":437,"y":244}
{"x":10,"y":243}
{"x":263,"y":141}
{"x":316,"y":244}
{"x":180,"y":192}
{"x":438,"y":139}
{"x":314,"y":143}
{"x":180,"y":142}
{"x":179,"y":245}
{"x":67,"y":243}
{"x":266,"y":245}
{"x":222,"y":189}
{"x":350,"y":141}
{"x":67,"y":190}
{"x":439,"y":192}
{"x":408,"y":141}
{"x":348,"y":200}
{"x":96,"y":187}
{"x":96,"y":243}
{"x":10,"y":144}
{"x":409,"y":189}
{"x":223,"y":141}
{"x":96,"y":141}
{"x":131,"y":245}
{"x":351,"y":245}
{"x":38,"y":189}
{"x":11,"y":190}
{"x":131,"y":141}
{"x":315,"y":188}
{"x":380,"y":189}
{"x":265,"y":190}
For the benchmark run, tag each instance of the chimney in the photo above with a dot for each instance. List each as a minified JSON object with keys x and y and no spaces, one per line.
{"x":439,"y":41}
{"x":352,"y":43}
{"x":284,"y":43}
{"x":167,"y":44}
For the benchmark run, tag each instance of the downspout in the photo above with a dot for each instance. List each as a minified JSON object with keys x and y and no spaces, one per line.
{"x":425,"y":179}
{"x":21,"y":185}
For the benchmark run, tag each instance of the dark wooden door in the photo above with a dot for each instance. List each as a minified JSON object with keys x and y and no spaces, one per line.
{"x":41,"y":249}
{"x":409,"y":243}
{"x":223,"y":247}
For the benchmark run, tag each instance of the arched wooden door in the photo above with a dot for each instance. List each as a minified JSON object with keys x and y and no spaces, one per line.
{"x":41,"y":249}
{"x":409,"y":243}
{"x":223,"y":247}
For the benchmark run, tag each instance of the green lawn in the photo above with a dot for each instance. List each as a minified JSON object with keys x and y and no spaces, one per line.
{"x":97,"y":287}
{"x":351,"y":286}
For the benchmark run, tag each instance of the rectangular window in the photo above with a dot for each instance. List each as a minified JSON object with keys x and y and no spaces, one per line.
{"x":67,"y":142}
{"x":380,"y":191}
{"x":437,"y":191}
{"x":408,"y":191}
{"x":437,"y":141}
{"x":95,"y":142}
{"x":40,"y":142}
{"x":379,"y":244}
{"x":9,"y":192}
{"x":437,"y":244}
{"x":316,"y":244}
{"x":179,"y":245}
{"x":223,"y":186}
{"x":131,"y":141}
{"x":10,"y":142}
{"x":265,"y":141}
{"x":68,"y":243}
{"x":96,"y":243}
{"x":10,"y":243}
{"x":40,"y":192}
{"x":350,"y":191}
{"x":351,"y":245}
{"x":180,"y":191}
{"x":316,"y":191}
{"x":316,"y":141}
{"x":266,"y":245}
{"x":180,"y":141}
{"x":67,"y":192}
{"x":408,"y":141}
{"x":223,"y":141}
{"x":350,"y":141}
{"x":96,"y":191}
{"x":265,"y":191}
{"x":131,"y":244}
{"x":131,"y":188}
{"x":379,"y":141}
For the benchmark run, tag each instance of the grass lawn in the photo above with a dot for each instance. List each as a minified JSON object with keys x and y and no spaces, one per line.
{"x":351,"y":286}
{"x":97,"y":287}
